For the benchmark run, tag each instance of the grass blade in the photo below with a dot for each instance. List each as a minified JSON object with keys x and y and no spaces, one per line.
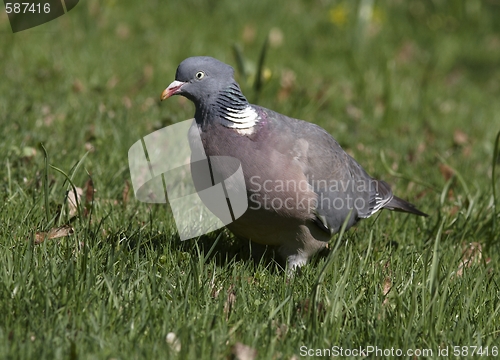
{"x":322,"y":273}
{"x":259,"y":75}
{"x":240,"y":62}
{"x":9,"y":179}
{"x":496,"y":155}
{"x":46,"y":182}
{"x":433,"y":274}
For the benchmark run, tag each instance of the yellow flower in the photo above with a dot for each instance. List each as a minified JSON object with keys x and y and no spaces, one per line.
{"x":338,"y":15}
{"x":266,"y":74}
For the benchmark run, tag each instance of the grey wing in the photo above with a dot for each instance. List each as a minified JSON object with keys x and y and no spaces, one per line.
{"x":345,"y":190}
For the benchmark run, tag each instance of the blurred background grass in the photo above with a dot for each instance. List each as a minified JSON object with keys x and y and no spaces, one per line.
{"x":409,"y":79}
{"x":410,"y":89}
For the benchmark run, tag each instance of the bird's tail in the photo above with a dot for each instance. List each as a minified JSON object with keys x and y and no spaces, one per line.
{"x":398,"y":204}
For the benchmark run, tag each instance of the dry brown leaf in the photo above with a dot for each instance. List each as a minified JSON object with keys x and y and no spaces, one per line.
{"x":122,"y":31}
{"x":89,"y":147}
{"x":89,"y":191}
{"x":230,"y":300}
{"x":466,"y":151}
{"x":275,"y":37}
{"x":126,"y":189}
{"x":387,"y":286}
{"x":28,"y":152}
{"x":421,"y":194}
{"x":243,"y":352}
{"x":287,"y":84}
{"x":451,"y":195}
{"x":112,"y":82}
{"x":127,"y":102}
{"x":53,"y":233}
{"x":249,"y":33}
{"x":304,"y":306}
{"x":460,"y":138}
{"x":471,"y":254}
{"x":281,"y":329}
{"x":77,"y":86}
{"x":446,"y":171}
{"x":387,"y":289}
{"x":454,"y":210}
{"x":354,"y":112}
{"x":387,"y":282}
{"x":74,"y":200}
{"x":421,"y":147}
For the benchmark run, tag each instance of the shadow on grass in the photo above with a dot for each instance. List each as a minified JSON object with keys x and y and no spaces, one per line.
{"x":219,"y":246}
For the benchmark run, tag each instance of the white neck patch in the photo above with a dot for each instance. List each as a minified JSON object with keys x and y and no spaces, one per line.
{"x":242,"y":121}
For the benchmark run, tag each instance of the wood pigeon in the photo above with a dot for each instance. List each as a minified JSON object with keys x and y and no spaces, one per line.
{"x":301,"y":185}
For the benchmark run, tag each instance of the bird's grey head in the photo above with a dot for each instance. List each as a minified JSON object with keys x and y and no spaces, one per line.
{"x":200,"y":79}
{"x":210,"y":85}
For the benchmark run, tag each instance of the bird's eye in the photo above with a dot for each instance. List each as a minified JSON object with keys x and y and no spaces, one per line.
{"x":200,"y":75}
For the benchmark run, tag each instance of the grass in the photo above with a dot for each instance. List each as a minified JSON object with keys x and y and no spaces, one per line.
{"x":409,"y":88}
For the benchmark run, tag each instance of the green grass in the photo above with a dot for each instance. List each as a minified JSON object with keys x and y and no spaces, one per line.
{"x":411,"y":91}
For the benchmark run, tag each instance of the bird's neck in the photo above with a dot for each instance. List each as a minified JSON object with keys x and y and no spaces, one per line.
{"x":229,"y":108}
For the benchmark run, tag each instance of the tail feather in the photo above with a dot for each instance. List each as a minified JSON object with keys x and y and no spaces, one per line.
{"x":397,"y":204}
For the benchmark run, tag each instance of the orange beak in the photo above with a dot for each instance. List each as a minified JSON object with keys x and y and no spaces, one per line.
{"x":172,"y":89}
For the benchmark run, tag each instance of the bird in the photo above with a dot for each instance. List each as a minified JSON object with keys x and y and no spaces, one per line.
{"x":301,"y":186}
